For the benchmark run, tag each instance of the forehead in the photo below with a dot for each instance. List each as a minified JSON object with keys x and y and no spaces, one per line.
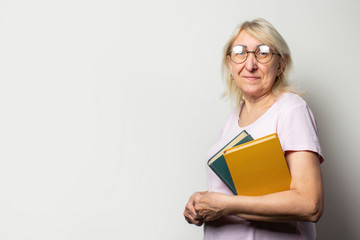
{"x":246,"y":39}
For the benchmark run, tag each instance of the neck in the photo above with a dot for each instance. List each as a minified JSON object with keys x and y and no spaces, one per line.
{"x":255,"y":107}
{"x":255,"y":102}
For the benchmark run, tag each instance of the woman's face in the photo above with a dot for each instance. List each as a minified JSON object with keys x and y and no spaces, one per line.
{"x":253,"y":78}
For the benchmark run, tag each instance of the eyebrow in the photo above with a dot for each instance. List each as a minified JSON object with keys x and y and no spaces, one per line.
{"x":247,"y":46}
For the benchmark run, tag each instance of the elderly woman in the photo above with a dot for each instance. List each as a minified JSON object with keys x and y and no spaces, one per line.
{"x":256,"y":63}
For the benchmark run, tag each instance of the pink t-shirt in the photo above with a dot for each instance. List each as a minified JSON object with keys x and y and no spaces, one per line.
{"x":291,"y":118}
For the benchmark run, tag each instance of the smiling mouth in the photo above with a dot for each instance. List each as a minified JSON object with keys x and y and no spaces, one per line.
{"x":251,"y":78}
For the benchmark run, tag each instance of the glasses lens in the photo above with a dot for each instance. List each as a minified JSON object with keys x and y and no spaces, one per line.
{"x":238,"y":54}
{"x":263,"y":54}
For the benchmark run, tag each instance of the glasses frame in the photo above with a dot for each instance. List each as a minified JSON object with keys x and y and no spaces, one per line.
{"x":247,"y":54}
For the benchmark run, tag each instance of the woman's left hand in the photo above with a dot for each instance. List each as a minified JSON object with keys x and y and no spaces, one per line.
{"x":211,"y":205}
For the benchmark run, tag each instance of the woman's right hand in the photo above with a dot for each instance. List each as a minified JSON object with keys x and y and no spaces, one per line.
{"x":190,"y":213}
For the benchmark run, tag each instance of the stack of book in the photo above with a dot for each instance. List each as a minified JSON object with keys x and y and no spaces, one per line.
{"x":252,"y":167}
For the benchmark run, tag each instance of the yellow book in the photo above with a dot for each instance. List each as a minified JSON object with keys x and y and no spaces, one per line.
{"x":258,"y":167}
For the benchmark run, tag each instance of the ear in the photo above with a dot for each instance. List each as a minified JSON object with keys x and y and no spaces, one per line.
{"x":281,"y":68}
{"x":228,"y":61}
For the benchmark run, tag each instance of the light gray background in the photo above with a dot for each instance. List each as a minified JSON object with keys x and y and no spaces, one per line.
{"x":108,"y":109}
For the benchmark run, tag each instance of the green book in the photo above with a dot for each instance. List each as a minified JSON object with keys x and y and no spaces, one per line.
{"x":218,"y":164}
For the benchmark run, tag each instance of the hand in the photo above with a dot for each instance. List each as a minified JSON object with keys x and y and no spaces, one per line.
{"x":190,"y":213}
{"x":210,"y":206}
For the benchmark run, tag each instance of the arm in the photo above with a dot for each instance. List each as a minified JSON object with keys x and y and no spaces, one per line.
{"x":303,"y":202}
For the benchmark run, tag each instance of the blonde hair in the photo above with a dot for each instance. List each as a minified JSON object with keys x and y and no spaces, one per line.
{"x":267,"y":34}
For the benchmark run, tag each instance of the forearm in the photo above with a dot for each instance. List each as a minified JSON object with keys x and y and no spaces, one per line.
{"x":282,"y":206}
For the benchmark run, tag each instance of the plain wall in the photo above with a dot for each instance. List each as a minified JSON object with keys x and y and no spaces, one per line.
{"x":107,"y":110}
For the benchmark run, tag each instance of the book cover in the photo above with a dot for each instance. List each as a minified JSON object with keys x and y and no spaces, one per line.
{"x":218,"y":164}
{"x":258,"y":167}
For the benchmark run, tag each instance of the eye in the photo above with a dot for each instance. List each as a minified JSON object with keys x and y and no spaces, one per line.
{"x":238,"y":50}
{"x":263,"y":51}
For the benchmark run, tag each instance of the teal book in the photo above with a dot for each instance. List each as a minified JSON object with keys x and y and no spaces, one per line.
{"x":218,"y":164}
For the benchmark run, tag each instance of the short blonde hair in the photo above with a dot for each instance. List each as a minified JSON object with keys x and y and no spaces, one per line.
{"x":267,"y":34}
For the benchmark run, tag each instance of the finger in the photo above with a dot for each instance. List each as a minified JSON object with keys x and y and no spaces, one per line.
{"x":188,"y":215}
{"x":192,"y":220}
{"x":205,"y":214}
{"x":199,"y":222}
{"x":202,"y":214}
{"x":190,"y":209}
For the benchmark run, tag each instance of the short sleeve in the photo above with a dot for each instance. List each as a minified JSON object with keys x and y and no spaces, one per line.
{"x":298,"y":130}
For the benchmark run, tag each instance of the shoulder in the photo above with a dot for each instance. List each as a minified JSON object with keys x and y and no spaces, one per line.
{"x":296,"y":126}
{"x":293,"y":109}
{"x":290,"y":100}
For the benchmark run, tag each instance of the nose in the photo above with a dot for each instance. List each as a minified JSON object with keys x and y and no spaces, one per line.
{"x":251,"y":62}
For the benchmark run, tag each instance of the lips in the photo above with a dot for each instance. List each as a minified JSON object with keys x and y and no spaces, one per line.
{"x":251,"y":78}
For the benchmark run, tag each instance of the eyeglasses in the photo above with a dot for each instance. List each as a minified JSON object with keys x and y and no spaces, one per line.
{"x":263,"y":54}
